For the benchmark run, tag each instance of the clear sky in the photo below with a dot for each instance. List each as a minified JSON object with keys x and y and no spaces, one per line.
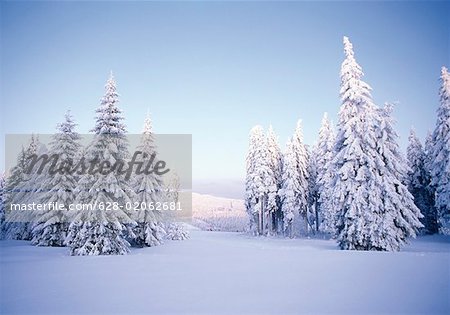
{"x":215,"y":69}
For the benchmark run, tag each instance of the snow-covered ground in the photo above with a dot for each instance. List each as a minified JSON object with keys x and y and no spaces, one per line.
{"x":228,"y":273}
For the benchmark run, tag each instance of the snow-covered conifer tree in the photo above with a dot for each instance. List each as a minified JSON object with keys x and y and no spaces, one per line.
{"x":259,"y":181}
{"x":353,"y":184}
{"x":398,"y":216}
{"x":13,"y":229}
{"x":99,"y":231}
{"x":301,"y":161}
{"x":50,"y":226}
{"x":26,"y":190}
{"x":290,"y":190}
{"x":149,"y":190}
{"x":22,"y":188}
{"x":375,"y":211}
{"x":324,"y":174}
{"x":171,"y":229}
{"x":175,"y":231}
{"x":440,"y":156}
{"x":418,"y":183}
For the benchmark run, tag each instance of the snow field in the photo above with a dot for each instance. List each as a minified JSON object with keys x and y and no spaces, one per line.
{"x":228,"y":273}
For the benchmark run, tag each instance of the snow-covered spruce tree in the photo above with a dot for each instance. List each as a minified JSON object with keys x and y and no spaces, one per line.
{"x":301,"y":162}
{"x":28,"y":189}
{"x":440,"y":156}
{"x":99,"y":231}
{"x":374,"y":210}
{"x":324,"y":156}
{"x":353,"y":190}
{"x":149,"y":189}
{"x":259,"y":183}
{"x":50,"y":226}
{"x":22,"y":188}
{"x":273,"y":202}
{"x":418,"y":183}
{"x":173,"y":230}
{"x":290,"y":189}
{"x":13,"y":229}
{"x":400,"y":217}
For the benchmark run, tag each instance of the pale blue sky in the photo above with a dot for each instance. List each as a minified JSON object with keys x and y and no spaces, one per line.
{"x":215,"y":69}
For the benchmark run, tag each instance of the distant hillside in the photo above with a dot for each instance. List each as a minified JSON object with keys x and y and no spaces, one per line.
{"x":219,"y":214}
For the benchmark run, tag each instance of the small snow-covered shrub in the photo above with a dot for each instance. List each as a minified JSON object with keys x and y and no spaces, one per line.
{"x":176,"y":232}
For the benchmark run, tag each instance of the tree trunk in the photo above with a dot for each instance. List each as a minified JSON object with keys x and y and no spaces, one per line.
{"x":316,"y":210}
{"x":262,"y":215}
{"x":306,"y":222}
{"x":281,"y":223}
{"x":259,"y":222}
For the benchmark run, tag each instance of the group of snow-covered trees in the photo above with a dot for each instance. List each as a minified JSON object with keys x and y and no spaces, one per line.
{"x":429,"y":166}
{"x":284,"y":189}
{"x":89,"y":231}
{"x":353,"y":183}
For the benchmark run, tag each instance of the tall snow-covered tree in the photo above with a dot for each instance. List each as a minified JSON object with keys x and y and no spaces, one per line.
{"x":253,"y":182}
{"x":99,"y":231}
{"x":50,"y":226}
{"x":400,"y":217}
{"x":301,"y":162}
{"x":28,"y":190}
{"x":294,"y":192}
{"x":324,"y":157}
{"x":275,"y":161}
{"x":352,"y":185}
{"x":418,"y":183}
{"x":290,"y":190}
{"x":375,"y":211}
{"x":22,"y":188}
{"x":14,"y":229}
{"x":440,"y":155}
{"x":259,"y":182}
{"x":149,"y":190}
